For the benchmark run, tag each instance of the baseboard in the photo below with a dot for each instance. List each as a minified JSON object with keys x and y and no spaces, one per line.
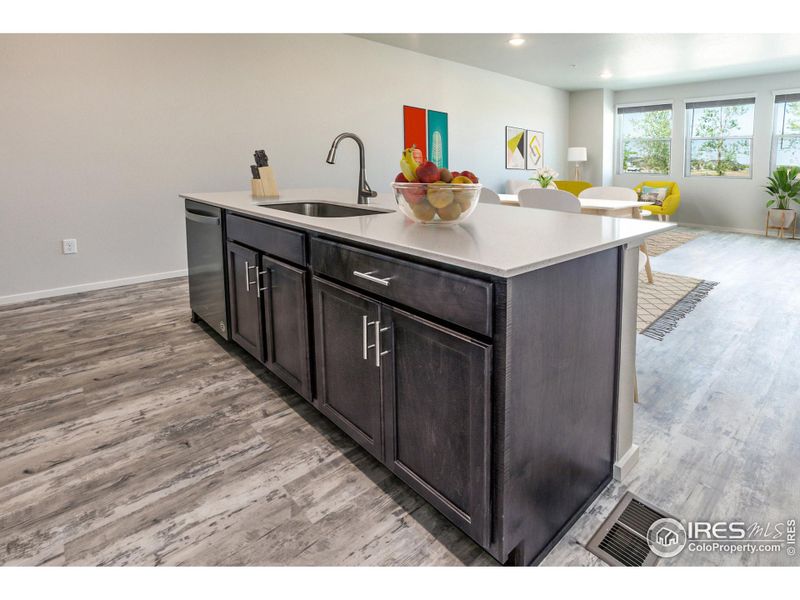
{"x":88,"y":287}
{"x":724,"y":229}
{"x":624,"y":465}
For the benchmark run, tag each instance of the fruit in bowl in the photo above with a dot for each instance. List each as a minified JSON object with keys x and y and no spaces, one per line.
{"x":428,"y":194}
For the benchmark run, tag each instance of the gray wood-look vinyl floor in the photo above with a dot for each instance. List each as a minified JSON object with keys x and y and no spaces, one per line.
{"x":130,"y":436}
{"x":719,"y":421}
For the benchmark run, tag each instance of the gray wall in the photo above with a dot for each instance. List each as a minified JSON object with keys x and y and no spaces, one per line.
{"x":586,"y":129}
{"x":591,"y":117}
{"x":711,"y":201}
{"x":100,"y":134}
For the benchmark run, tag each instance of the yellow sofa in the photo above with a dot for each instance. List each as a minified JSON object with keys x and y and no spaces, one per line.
{"x":573,"y":187}
{"x":671,"y":202}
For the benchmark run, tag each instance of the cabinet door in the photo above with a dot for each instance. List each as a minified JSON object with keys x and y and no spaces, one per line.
{"x":437,"y":403}
{"x":348,"y":380}
{"x":244,"y":299}
{"x":286,"y":321}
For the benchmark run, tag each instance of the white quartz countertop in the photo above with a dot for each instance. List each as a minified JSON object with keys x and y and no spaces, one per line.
{"x":497,"y":240}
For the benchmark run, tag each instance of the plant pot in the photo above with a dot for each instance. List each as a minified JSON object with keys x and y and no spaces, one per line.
{"x":781,"y":217}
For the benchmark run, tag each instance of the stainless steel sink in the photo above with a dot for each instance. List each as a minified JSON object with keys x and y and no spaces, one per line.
{"x":325,"y":209}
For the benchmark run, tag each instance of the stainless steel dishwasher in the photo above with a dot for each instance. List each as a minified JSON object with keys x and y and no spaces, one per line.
{"x":205,"y":249}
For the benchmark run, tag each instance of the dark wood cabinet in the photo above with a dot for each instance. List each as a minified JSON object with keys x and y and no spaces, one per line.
{"x":348,"y":379}
{"x":436,"y":387}
{"x":286,"y":319}
{"x":244,"y":298}
{"x":412,"y":392}
{"x":493,"y":398}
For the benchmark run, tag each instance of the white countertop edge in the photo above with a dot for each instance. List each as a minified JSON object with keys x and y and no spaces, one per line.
{"x":317,"y":224}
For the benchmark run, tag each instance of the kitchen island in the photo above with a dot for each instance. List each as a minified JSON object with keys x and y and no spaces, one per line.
{"x":488,"y":365}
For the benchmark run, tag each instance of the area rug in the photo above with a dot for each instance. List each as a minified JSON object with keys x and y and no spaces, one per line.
{"x":663,"y":303}
{"x":669,"y":240}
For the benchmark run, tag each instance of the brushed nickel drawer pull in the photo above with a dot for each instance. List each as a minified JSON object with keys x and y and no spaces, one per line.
{"x":369,"y":277}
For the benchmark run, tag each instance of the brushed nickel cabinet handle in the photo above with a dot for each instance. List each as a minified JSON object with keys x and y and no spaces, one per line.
{"x":377,"y":344}
{"x":260,"y":289}
{"x":365,"y":323}
{"x":370,"y":277}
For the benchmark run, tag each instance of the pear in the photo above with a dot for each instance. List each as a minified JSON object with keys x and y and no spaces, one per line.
{"x":439,"y":198}
{"x":450,"y":212}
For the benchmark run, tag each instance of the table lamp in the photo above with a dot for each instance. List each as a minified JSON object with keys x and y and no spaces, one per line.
{"x":576,"y":155}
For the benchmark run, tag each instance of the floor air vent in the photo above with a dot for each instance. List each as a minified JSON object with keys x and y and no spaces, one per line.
{"x":622,"y":538}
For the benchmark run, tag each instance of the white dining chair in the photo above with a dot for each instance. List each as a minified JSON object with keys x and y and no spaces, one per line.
{"x":609,"y":192}
{"x":513,"y":186}
{"x":488,"y":196}
{"x":549,"y":200}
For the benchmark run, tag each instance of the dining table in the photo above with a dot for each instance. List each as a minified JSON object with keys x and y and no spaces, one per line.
{"x":606,"y":208}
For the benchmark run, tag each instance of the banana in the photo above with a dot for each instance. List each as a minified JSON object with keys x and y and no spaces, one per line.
{"x":408,"y":165}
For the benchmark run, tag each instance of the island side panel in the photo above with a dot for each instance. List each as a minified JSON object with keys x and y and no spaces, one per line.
{"x":563,"y":331}
{"x":627,"y":453}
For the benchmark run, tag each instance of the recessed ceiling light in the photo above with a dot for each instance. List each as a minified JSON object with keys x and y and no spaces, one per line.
{"x":517,"y":41}
{"x":606,"y":75}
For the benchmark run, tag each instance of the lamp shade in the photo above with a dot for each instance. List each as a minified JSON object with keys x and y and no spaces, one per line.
{"x":576,"y":154}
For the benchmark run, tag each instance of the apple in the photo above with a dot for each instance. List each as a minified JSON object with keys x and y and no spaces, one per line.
{"x":428,"y":172}
{"x":470,"y":175}
{"x":455,"y":173}
{"x":400,"y":178}
{"x":414,"y":195}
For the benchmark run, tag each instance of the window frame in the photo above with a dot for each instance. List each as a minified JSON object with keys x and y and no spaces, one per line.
{"x":773,"y":159}
{"x":689,"y":126}
{"x":620,"y":138}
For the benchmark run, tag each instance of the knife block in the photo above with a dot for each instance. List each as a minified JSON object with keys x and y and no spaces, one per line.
{"x":266,"y":187}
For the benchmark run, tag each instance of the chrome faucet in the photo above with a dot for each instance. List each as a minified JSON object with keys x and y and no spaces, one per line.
{"x":364,"y":191}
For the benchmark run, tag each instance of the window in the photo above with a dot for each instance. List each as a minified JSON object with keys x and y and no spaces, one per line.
{"x":786,"y":139}
{"x":720,"y":138}
{"x":645,"y":138}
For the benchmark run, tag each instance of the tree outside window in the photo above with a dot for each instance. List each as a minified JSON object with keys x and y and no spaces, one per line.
{"x":721,"y":138}
{"x":786,"y":144}
{"x":645,"y":138}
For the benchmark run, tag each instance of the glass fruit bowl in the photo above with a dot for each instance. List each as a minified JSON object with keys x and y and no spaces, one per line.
{"x":437,"y":203}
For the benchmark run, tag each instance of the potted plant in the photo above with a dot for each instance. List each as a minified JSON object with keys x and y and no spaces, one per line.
{"x":784,"y":187}
{"x":545,"y":177}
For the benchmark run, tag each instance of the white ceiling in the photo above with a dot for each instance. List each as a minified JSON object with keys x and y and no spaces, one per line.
{"x":575,"y":61}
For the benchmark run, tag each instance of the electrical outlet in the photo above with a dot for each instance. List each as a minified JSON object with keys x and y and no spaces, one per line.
{"x":69,"y":246}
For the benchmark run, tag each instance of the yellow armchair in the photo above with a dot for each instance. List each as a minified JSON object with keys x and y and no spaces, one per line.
{"x":573,"y":187}
{"x":671,"y":202}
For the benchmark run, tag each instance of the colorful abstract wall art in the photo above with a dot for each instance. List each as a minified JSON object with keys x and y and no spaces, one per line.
{"x":534,"y":149}
{"x":437,"y":138}
{"x":427,"y":130}
{"x":515,"y":148}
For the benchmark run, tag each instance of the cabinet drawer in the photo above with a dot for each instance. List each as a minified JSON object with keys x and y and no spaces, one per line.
{"x":460,"y":300}
{"x":277,"y":241}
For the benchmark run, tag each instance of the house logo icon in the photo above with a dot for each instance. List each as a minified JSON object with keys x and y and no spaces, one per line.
{"x":666,"y":537}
